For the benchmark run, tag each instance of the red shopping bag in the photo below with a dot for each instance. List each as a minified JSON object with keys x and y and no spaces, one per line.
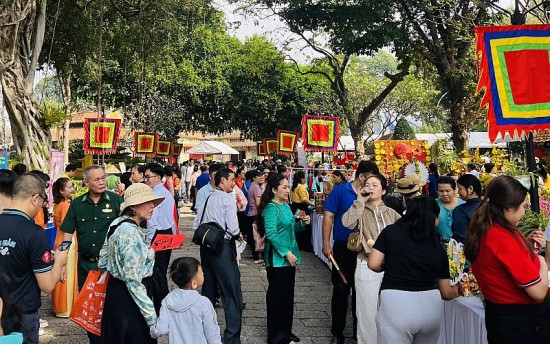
{"x":88,"y":307}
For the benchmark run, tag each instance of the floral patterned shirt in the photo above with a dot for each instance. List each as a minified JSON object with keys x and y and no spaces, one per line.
{"x":127,"y":257}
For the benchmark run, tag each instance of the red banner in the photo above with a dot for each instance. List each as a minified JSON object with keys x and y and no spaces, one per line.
{"x":145,"y":143}
{"x":101,"y":135}
{"x":286,"y":142}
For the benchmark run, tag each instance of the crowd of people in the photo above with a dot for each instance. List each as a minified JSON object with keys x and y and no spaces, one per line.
{"x":400,"y":270}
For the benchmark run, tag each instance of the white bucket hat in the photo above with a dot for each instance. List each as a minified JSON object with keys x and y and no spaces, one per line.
{"x":140,"y":193}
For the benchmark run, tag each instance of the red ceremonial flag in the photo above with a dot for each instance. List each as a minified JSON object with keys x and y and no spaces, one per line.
{"x":287,"y":141}
{"x":101,"y":135}
{"x":270,"y":146}
{"x":163,"y":148}
{"x":514,"y":73}
{"x":145,"y":143}
{"x":320,"y":133}
{"x":261,"y":149}
{"x":175,"y":149}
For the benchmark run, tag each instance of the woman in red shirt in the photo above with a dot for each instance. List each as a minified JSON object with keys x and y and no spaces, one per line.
{"x":511,"y":275}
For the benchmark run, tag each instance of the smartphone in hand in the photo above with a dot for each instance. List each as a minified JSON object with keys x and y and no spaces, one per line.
{"x":64,"y":246}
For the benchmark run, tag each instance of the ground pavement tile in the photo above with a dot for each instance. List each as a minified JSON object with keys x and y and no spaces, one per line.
{"x":312,"y":300}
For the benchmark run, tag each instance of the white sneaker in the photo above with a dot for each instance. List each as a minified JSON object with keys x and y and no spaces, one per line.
{"x":41,"y":331}
{"x":43,"y":323}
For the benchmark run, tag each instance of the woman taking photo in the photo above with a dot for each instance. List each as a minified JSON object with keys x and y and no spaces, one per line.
{"x":512,"y":277}
{"x":129,"y":310}
{"x":65,"y":291}
{"x":281,"y":254}
{"x":469,"y":190}
{"x":371,"y":216}
{"x":415,"y":266}
{"x":447,"y":201}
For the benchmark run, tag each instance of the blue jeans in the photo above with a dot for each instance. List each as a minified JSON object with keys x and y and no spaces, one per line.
{"x":30,"y":326}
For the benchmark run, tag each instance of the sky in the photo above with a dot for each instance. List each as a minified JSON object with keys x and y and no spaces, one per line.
{"x":247,"y":26}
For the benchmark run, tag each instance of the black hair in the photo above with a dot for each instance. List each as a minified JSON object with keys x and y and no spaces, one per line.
{"x":168,"y":170}
{"x":272,"y":183}
{"x":19,"y":169}
{"x":433,"y":168}
{"x":420,"y":216}
{"x":11,"y":316}
{"x":468,"y":180}
{"x":366,"y":166}
{"x":223,"y":173}
{"x":125,"y":179}
{"x":472,"y":166}
{"x":7,"y":178}
{"x":254,"y":173}
{"x":489,"y":167}
{"x":214,"y":168}
{"x":281,"y":169}
{"x":140,"y":168}
{"x":203,"y":168}
{"x":70,"y":168}
{"x":155,"y":168}
{"x":128,"y":211}
{"x":338,"y":173}
{"x":58,"y":186}
{"x":297,"y":179}
{"x":182,"y":270}
{"x":240,"y":170}
{"x":447,"y":180}
{"x":46,"y":178}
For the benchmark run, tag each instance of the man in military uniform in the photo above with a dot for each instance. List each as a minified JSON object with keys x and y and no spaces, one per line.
{"x":90,"y":216}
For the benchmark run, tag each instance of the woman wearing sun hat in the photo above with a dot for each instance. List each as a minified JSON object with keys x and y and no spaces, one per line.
{"x":129,"y":310}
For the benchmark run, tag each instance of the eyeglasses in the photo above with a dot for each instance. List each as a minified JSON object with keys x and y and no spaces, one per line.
{"x":148,"y":176}
{"x":44,"y":198}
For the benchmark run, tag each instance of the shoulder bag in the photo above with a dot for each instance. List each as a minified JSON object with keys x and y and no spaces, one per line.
{"x":209,"y":235}
{"x":355,"y":239}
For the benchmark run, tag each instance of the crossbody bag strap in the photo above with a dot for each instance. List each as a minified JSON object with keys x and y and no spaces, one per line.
{"x":204,"y":209}
{"x":113,"y":228}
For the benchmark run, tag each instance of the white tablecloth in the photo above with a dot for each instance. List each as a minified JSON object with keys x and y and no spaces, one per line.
{"x":463,"y":322}
{"x":317,"y":237}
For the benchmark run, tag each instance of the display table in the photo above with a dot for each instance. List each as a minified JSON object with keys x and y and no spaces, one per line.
{"x":463,"y":322}
{"x":317,"y":237}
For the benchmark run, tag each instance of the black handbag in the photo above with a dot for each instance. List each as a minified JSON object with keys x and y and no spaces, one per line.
{"x":209,"y":235}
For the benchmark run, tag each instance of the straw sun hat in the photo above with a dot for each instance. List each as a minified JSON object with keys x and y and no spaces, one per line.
{"x":406,"y":186}
{"x":140,"y":193}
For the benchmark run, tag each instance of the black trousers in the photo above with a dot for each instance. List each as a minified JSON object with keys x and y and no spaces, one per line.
{"x":347,"y":261}
{"x":160,"y":269}
{"x":511,"y":324}
{"x":222,"y":270}
{"x":122,"y":321}
{"x":280,"y":303}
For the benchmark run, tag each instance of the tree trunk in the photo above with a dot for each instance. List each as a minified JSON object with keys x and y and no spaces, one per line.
{"x":459,"y":131}
{"x":357,"y":135}
{"x":65,"y":83}
{"x":18,"y":43}
{"x":31,"y":137}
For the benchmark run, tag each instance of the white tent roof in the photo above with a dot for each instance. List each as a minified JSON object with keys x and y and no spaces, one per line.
{"x":346,"y":143}
{"x":211,"y":147}
{"x":475,"y":139}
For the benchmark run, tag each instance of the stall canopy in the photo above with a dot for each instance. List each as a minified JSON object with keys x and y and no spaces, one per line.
{"x":211,"y":147}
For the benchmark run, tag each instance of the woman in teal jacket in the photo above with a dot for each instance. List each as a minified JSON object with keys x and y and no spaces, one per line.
{"x":281,"y":255}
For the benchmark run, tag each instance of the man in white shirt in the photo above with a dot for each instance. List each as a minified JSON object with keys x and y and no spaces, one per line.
{"x":221,"y":269}
{"x":471,"y":168}
{"x":206,"y":191}
{"x":162,"y":222}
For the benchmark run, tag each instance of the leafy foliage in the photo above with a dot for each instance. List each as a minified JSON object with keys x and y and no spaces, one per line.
{"x":403,"y":130}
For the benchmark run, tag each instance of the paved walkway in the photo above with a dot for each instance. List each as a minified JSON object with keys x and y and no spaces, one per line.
{"x":312,"y":300}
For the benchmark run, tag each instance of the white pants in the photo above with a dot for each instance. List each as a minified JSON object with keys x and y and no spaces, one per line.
{"x":367,"y":286}
{"x":406,"y":317}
